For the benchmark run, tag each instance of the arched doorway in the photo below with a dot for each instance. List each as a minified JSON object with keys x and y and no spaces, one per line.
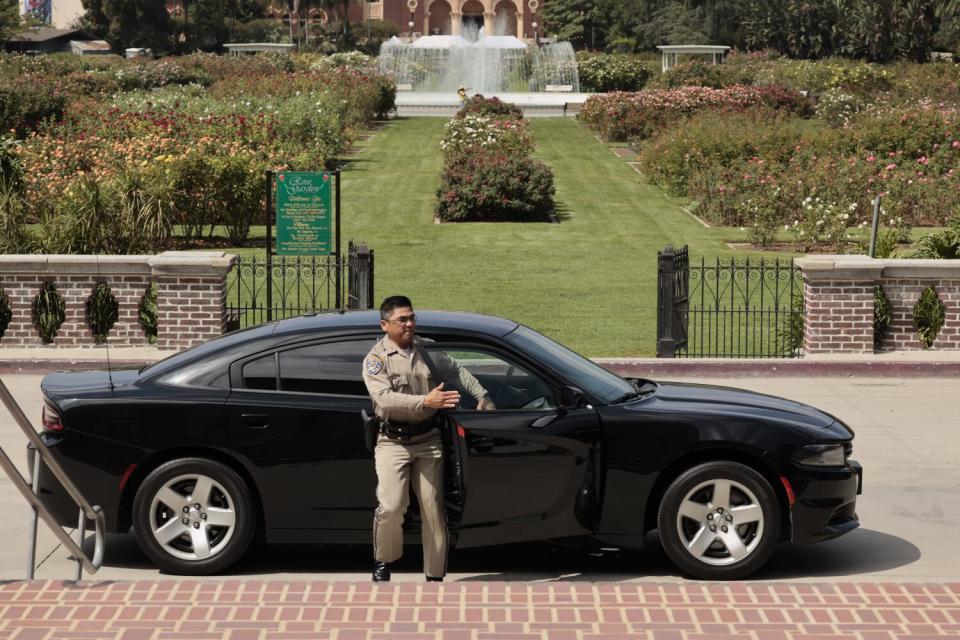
{"x":438,"y":19}
{"x":505,"y":18}
{"x":472,"y":19}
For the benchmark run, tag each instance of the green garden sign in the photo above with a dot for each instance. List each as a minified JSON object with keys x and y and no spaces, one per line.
{"x":304,"y":213}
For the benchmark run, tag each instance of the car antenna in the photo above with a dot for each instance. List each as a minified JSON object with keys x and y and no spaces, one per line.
{"x":106,"y":337}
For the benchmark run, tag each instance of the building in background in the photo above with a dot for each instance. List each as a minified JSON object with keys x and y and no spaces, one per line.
{"x":59,"y":14}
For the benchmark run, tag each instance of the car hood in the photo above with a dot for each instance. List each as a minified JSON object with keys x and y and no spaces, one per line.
{"x":714,"y":400}
{"x":67,"y":384}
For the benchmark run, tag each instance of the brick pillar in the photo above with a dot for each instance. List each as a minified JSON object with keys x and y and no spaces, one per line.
{"x":191,"y":296}
{"x":903,"y":282}
{"x":838,"y":303}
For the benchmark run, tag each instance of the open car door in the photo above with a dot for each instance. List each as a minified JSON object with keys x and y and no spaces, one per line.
{"x":526,"y":468}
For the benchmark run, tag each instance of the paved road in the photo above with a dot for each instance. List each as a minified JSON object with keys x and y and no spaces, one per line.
{"x":910,"y":509}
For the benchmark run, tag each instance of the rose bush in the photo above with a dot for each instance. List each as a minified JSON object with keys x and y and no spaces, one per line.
{"x":625,"y":116}
{"x":495,"y":187}
{"x":603,"y":72}
{"x":486,"y":133}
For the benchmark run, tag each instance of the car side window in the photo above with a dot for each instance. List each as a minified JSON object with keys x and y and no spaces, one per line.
{"x":330,"y":367}
{"x":261,"y":373}
{"x":475,"y":372}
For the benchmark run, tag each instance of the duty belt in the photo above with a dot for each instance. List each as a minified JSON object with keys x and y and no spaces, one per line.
{"x":407,"y":430}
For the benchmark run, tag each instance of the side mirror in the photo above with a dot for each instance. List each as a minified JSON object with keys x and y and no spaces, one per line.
{"x":571,"y":398}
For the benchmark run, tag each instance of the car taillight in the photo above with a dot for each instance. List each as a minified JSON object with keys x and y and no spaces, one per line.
{"x":51,"y":419}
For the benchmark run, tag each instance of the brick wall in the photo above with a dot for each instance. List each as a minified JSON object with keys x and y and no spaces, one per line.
{"x":839,"y":302}
{"x":191,"y":292}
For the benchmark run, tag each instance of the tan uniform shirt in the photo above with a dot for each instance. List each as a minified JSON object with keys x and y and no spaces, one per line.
{"x":398,"y":382}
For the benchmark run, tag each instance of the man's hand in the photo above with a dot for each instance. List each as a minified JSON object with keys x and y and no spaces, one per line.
{"x":440,"y":399}
{"x":486,"y":404}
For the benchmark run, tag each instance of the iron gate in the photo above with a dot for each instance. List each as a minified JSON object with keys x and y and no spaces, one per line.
{"x":728,"y":307}
{"x":261,"y":289}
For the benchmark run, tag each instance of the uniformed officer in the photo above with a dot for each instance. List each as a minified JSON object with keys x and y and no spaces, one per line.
{"x":409,"y":447}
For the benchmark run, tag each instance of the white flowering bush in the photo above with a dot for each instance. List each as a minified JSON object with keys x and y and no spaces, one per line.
{"x":508,"y":136}
{"x":822,"y":221}
{"x":838,"y":107}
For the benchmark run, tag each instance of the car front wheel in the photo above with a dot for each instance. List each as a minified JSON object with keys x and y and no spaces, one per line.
{"x":193,"y":516}
{"x":719,"y":521}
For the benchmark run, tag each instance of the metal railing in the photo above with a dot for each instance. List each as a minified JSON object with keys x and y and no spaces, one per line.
{"x":728,"y":307}
{"x":29,"y":492}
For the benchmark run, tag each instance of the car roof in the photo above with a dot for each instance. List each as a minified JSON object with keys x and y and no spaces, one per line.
{"x":427,"y":320}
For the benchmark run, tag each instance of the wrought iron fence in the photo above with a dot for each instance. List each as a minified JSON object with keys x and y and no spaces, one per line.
{"x":261,"y":289}
{"x":737,"y":308}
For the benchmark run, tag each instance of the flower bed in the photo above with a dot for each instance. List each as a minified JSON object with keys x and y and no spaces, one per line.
{"x":488,"y":173}
{"x":767,"y":174}
{"x":627,"y":116}
{"x":112,"y":169}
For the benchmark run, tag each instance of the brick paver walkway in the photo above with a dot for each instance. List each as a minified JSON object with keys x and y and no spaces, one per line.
{"x":274,"y":610}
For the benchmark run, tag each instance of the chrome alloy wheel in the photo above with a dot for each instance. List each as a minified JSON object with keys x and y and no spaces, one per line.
{"x":720,"y":522}
{"x":192,"y":517}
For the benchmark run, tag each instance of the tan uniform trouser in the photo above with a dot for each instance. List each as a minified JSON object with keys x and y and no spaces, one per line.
{"x":420,"y":461}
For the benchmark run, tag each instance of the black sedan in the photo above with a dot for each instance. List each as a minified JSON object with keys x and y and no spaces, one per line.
{"x":257,"y":433}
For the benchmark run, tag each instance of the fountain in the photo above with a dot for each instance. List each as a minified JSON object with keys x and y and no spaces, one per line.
{"x":487,"y":65}
{"x":431,"y":69}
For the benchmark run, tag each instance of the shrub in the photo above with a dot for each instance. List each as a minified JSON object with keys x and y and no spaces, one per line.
{"x":928,"y":316}
{"x":6,"y":312}
{"x":472,"y":132}
{"x":48,"y":311}
{"x":602,"y":72}
{"x":837,"y":108}
{"x":623,"y":116}
{"x":697,"y":73}
{"x":944,"y":245}
{"x":147,"y":312}
{"x":493,"y":107}
{"x":712,"y":139}
{"x":102,"y":311}
{"x":159,"y":73}
{"x":485,"y":186}
{"x":26,"y":102}
{"x":881,"y":316}
{"x":14,"y":237}
{"x":852,"y":76}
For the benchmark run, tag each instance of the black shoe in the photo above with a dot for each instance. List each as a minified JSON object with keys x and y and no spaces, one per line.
{"x":432,"y":579}
{"x":381,"y":572}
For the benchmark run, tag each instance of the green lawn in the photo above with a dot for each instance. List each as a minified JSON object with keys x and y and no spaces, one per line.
{"x":589,"y":281}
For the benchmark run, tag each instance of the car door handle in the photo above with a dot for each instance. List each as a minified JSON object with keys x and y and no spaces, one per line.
{"x":543,"y":421}
{"x":255,"y":420}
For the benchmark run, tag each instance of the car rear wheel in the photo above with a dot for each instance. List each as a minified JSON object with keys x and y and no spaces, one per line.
{"x":719,"y":521}
{"x":193,"y":516}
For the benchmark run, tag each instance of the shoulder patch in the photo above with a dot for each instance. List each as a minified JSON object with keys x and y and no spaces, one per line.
{"x":373,"y":364}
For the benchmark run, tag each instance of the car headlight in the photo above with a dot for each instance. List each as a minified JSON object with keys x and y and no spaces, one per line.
{"x":821,"y":455}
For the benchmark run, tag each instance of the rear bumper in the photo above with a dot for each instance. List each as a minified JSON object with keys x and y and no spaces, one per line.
{"x":826,"y":502}
{"x":94,"y":484}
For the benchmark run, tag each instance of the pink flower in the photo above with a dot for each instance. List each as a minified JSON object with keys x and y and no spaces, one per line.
{"x":871,"y":158}
{"x":955,"y":144}
{"x":891,"y":166}
{"x":892,"y":154}
{"x":922,"y":160}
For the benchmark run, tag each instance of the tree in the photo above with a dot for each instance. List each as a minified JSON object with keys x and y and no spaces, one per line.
{"x":567,"y":20}
{"x":130,"y":23}
{"x":9,"y":18}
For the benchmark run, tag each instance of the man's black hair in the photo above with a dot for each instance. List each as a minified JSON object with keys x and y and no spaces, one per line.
{"x":391,"y":303}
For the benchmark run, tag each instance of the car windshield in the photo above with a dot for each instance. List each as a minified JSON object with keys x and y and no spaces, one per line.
{"x":593,"y":379}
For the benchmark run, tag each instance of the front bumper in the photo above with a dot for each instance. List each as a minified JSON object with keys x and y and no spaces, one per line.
{"x":826,"y":502}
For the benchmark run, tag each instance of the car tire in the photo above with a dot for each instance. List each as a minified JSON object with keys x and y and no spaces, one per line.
{"x":191,"y":534}
{"x":719,"y":521}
